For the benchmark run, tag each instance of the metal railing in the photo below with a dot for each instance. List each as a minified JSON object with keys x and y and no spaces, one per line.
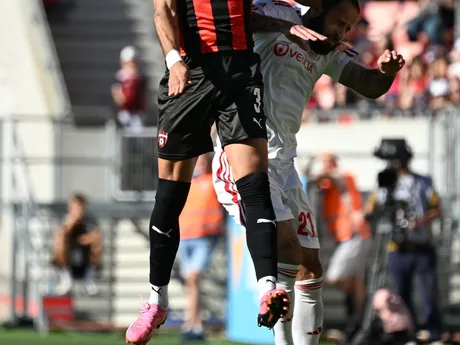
{"x":28,"y":246}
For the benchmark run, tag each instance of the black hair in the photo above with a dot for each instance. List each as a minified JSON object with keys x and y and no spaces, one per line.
{"x":328,"y":4}
{"x":314,"y":19}
{"x":80,"y":198}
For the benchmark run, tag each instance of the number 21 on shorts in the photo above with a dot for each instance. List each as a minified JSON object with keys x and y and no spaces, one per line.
{"x":305,"y":218}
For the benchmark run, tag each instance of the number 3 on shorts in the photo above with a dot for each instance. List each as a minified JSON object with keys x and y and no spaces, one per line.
{"x":257,"y":103}
{"x":302,"y":230}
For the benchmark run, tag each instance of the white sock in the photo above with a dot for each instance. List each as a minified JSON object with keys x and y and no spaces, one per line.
{"x":308,"y":312}
{"x":286,"y":280}
{"x":159,"y":295}
{"x":197,"y":329}
{"x":65,"y":276}
{"x":266,"y":284}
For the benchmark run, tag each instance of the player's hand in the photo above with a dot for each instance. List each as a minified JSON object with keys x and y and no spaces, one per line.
{"x":390,"y":62}
{"x":179,"y":77}
{"x":86,"y":239}
{"x":70,"y":221}
{"x":306,"y":34}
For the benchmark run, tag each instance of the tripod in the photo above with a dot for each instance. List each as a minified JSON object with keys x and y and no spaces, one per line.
{"x":390,"y":226}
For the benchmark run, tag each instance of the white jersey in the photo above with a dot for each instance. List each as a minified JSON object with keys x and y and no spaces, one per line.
{"x":289,"y":75}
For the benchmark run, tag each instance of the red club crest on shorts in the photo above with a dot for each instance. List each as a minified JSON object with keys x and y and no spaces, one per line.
{"x":162,"y":138}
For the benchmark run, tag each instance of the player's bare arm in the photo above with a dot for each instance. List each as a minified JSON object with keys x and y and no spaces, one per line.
{"x":373,"y":83}
{"x":261,"y":23}
{"x":167,"y":25}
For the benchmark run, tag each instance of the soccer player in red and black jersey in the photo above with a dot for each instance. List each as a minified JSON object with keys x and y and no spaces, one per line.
{"x":212,"y":76}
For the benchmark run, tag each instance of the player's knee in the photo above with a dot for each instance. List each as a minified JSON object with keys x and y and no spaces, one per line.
{"x":332,"y":281}
{"x":247,"y":157}
{"x":289,"y":249}
{"x":255,"y":193}
{"x":311,"y":267}
{"x":176,"y":170}
{"x":169,"y":201}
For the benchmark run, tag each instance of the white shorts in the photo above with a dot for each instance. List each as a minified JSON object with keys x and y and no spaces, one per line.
{"x":288,"y":197}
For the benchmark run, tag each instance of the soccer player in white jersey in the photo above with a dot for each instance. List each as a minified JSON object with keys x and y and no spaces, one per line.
{"x":290,"y":71}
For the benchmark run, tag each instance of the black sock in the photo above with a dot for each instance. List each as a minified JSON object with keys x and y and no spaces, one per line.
{"x":164,"y":229}
{"x":260,"y":223}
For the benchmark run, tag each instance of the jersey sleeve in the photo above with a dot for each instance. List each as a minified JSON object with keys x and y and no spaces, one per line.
{"x":263,"y":41}
{"x":339,"y":58}
{"x":277,"y":9}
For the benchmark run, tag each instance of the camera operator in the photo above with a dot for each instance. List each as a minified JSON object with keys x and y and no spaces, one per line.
{"x":415,"y":255}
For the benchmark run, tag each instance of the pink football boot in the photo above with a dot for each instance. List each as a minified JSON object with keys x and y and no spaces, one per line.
{"x":140,"y":332}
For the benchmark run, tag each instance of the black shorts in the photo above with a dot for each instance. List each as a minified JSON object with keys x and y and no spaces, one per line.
{"x":226,"y":89}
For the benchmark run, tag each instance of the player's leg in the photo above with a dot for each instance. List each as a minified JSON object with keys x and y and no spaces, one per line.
{"x":289,"y":251}
{"x":289,"y":257}
{"x":308,"y":309}
{"x":62,"y":262}
{"x":242,"y":131}
{"x":184,"y":134}
{"x":195,"y":255}
{"x":346,"y":271}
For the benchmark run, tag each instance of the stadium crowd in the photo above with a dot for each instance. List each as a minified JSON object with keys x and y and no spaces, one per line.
{"x":423,"y":32}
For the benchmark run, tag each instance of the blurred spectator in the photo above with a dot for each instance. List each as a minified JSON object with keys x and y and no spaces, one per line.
{"x":414,"y":95}
{"x":200,"y":223}
{"x":454,"y":85}
{"x":415,"y":255}
{"x":343,"y":216}
{"x":77,"y":248}
{"x":454,"y":68}
{"x":395,"y":324}
{"x":429,"y":26}
{"x":439,"y":83}
{"x":129,"y":91}
{"x":360,"y":41}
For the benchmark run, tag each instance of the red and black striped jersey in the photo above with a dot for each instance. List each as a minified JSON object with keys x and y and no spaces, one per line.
{"x":208,"y":26}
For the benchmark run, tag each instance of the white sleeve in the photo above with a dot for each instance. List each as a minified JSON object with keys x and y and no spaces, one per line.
{"x":263,"y":41}
{"x":338,"y":59}
{"x":277,"y":9}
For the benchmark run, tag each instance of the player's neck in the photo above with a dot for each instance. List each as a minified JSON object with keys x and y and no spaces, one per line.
{"x":404,"y":172}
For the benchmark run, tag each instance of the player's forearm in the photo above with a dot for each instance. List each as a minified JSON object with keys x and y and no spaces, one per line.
{"x":370,"y":83}
{"x":374,"y":84}
{"x":167,"y":26}
{"x":261,"y":23}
